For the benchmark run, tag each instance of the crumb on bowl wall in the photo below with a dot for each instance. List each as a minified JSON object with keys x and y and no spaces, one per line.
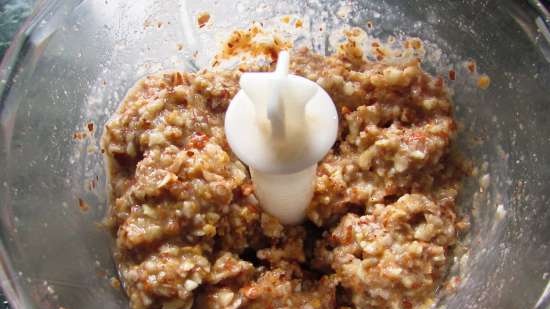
{"x":82,"y":205}
{"x":484,"y":81}
{"x":203,"y":18}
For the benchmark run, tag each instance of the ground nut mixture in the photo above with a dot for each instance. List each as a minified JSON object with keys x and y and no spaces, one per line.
{"x":191,"y":234}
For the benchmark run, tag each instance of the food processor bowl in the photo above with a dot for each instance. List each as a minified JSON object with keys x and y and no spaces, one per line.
{"x":73,"y":61}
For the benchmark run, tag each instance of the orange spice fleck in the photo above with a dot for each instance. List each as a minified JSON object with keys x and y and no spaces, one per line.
{"x":202,"y":19}
{"x":83,"y":205}
{"x":471,"y":65}
{"x":79,"y":135}
{"x":250,"y":292}
{"x":416,"y":43}
{"x":452,"y":74}
{"x":484,"y":82}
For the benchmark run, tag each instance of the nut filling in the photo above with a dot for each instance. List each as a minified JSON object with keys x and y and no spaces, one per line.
{"x":191,"y":234}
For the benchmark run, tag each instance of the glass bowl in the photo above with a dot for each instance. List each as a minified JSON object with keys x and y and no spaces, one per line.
{"x":73,"y":61}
